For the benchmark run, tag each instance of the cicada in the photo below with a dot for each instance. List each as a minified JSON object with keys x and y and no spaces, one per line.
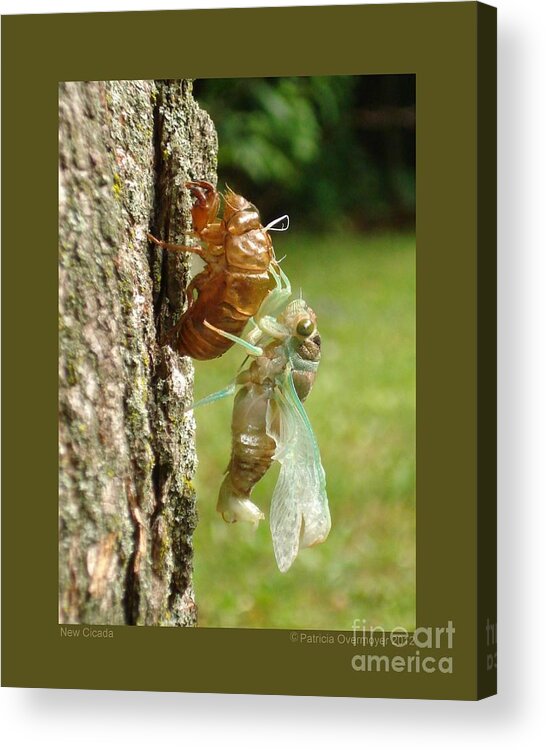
{"x":270,"y":424}
{"x":238,"y":253}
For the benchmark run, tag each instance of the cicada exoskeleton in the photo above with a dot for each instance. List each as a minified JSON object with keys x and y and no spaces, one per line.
{"x":238,"y":254}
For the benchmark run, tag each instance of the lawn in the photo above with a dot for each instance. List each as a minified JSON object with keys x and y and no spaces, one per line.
{"x":362,"y":409}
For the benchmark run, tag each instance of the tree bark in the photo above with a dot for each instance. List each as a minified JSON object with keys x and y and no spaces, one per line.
{"x":127,"y":452}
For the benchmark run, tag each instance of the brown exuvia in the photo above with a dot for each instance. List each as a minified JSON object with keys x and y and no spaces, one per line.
{"x":238,"y":253}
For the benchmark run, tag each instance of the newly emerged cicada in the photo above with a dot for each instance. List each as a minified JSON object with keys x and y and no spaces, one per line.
{"x":238,"y":253}
{"x":269,"y":423}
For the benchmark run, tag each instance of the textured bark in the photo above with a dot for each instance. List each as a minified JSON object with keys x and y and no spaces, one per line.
{"x":127,"y":454}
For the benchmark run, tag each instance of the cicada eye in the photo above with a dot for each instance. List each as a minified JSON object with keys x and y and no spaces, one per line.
{"x":305,"y":327}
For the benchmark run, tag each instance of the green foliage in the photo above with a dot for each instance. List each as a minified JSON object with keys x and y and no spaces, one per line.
{"x":362,"y":409}
{"x":279,"y":132}
{"x":298,"y":142}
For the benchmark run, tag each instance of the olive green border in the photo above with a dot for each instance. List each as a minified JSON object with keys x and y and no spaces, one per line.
{"x":439,"y":43}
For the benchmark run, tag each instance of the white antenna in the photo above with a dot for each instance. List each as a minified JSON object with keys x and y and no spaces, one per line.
{"x":272,"y":228}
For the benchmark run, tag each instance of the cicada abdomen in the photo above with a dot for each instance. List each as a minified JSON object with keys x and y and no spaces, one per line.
{"x":252,"y":452}
{"x":238,"y":253}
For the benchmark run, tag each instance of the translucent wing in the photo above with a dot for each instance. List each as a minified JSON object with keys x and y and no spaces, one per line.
{"x":299,"y":513}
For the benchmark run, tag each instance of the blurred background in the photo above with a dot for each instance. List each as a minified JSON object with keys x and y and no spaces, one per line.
{"x":338,"y":155}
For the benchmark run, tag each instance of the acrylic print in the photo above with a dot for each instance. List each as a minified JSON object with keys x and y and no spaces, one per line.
{"x":237,"y":352}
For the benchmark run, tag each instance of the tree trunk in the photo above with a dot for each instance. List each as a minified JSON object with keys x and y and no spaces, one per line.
{"x":127,"y":453}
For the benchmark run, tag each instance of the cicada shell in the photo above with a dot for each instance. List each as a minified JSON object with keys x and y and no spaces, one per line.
{"x":238,"y":254}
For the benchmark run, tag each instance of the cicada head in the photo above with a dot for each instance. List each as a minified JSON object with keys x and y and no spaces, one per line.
{"x":206,"y":203}
{"x":299,"y":319}
{"x":304,"y":345}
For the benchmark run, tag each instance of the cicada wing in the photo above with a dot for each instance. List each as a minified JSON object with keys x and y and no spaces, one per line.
{"x":299,"y":513}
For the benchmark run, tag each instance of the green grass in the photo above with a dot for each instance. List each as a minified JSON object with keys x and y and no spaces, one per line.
{"x":362,"y":409}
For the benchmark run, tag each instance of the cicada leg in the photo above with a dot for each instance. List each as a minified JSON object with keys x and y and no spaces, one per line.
{"x":229,"y":390}
{"x":277,"y":298}
{"x":202,"y":252}
{"x":242,"y":377}
{"x":265,"y":322}
{"x":256,"y":351}
{"x":197,"y":283}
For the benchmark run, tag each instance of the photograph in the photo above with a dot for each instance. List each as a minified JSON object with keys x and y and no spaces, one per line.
{"x":237,"y":352}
